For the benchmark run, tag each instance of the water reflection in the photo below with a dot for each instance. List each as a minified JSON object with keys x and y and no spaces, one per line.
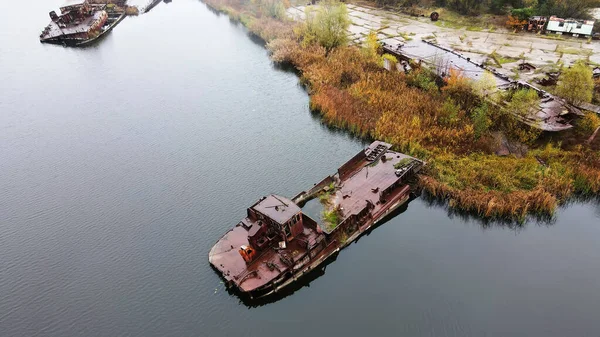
{"x":474,"y":217}
{"x":303,"y":281}
{"x":593,"y":201}
{"x":403,"y":208}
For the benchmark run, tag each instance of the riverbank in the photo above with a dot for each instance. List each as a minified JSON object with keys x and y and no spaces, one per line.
{"x":448,"y":124}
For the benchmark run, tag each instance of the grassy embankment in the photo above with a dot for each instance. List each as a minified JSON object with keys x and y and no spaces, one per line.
{"x":448,"y":124}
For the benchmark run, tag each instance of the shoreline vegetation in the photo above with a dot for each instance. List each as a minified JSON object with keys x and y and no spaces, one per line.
{"x":444,"y":121}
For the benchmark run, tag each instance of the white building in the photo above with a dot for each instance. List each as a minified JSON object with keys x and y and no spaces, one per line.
{"x":570,"y":26}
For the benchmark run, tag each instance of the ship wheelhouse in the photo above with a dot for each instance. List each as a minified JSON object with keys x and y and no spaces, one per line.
{"x":273,"y":220}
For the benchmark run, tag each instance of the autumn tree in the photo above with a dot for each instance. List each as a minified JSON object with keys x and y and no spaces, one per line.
{"x":576,"y":84}
{"x":515,"y":23}
{"x":486,"y":84}
{"x":460,"y":89}
{"x":449,"y":113}
{"x":371,"y":47}
{"x":273,"y":8}
{"x":588,"y":124}
{"x":328,"y":23}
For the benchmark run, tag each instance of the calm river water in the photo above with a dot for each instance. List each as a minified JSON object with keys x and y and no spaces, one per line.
{"x":121,"y":165}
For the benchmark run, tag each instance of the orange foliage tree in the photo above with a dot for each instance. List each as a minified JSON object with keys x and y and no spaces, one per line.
{"x":515,"y":23}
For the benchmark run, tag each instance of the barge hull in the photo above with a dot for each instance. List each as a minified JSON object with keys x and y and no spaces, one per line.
{"x":328,"y":254}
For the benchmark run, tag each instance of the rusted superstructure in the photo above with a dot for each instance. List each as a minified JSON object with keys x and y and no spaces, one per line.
{"x":276,"y":243}
{"x":82,"y":21}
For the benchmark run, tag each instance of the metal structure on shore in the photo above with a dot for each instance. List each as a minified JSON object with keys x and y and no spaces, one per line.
{"x":556,"y":25}
{"x":554,"y":113}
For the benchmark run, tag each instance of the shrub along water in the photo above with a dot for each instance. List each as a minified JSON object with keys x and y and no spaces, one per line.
{"x":447,"y":123}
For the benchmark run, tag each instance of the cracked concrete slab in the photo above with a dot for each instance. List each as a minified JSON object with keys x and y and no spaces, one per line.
{"x":542,"y":50}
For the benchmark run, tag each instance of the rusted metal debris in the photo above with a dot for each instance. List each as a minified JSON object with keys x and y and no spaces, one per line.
{"x":276,"y":242}
{"x":554,"y":113}
{"x":553,"y":24}
{"x":550,"y":79}
{"x":589,"y":107}
{"x":536,"y":24}
{"x":525,"y":66}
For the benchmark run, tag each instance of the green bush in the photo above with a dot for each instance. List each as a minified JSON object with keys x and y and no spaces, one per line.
{"x":523,"y":13}
{"x":576,"y":84}
{"x":327,"y":24}
{"x":481,"y":120}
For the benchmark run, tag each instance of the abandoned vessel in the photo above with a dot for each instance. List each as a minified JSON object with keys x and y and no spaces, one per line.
{"x":81,"y":22}
{"x":278,"y":242}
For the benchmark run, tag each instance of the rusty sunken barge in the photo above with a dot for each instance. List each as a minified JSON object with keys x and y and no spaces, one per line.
{"x":82,"y":22}
{"x":276,"y":243}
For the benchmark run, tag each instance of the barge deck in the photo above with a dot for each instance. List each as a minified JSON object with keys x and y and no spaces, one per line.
{"x":277,"y":242}
{"x":113,"y":20}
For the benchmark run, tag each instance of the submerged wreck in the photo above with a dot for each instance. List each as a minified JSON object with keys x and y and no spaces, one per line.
{"x":553,"y":113}
{"x":277,"y":242}
{"x":82,"y":22}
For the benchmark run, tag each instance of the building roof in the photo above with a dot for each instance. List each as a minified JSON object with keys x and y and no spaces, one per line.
{"x":278,"y":208}
{"x":585,"y":22}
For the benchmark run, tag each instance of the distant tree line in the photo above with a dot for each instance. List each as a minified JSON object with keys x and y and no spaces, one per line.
{"x":561,"y":8}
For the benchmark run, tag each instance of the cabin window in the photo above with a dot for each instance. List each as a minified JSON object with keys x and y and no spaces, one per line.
{"x":561,"y":24}
{"x":579,"y":25}
{"x":287,"y":230}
